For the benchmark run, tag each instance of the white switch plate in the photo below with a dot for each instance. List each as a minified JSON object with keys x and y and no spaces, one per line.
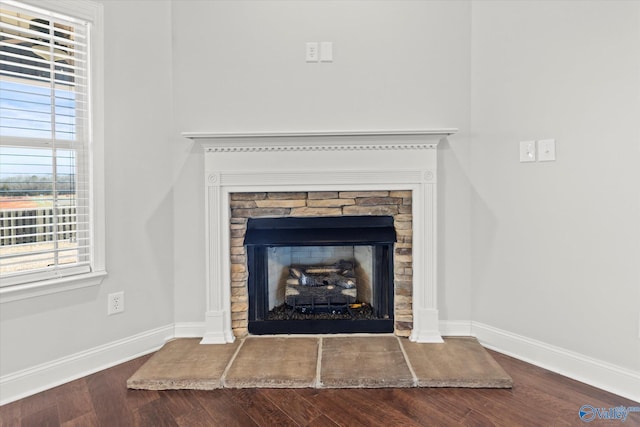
{"x":527,"y":151}
{"x":546,"y":150}
{"x":326,"y":51}
{"x":313,"y":54}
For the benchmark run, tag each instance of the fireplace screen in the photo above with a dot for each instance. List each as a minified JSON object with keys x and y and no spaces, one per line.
{"x":320,"y":275}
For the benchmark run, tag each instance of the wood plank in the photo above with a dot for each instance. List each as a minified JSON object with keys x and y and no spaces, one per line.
{"x":182,"y":403}
{"x":356,"y":407}
{"x":154,"y":414}
{"x":73,"y":401}
{"x":295,"y":406}
{"x":222,"y":410}
{"x":109,"y":400}
{"x":321,"y":421}
{"x":258,"y":406}
{"x":11,"y":413}
{"x":47,"y":417}
{"x":415,"y":404}
{"x":85,"y":420}
{"x":44,"y":402}
{"x":335,"y":409}
{"x":198,"y":418}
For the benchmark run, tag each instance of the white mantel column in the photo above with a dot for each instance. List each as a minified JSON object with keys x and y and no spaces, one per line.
{"x":426,"y":321}
{"x":218,"y":314}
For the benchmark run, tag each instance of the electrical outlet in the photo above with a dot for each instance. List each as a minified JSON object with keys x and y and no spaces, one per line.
{"x":115,"y":303}
{"x":312,"y":53}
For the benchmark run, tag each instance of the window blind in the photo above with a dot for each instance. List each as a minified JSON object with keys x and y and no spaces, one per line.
{"x":44,"y":151}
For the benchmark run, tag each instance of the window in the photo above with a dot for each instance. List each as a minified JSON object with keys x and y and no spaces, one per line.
{"x":47,"y":185}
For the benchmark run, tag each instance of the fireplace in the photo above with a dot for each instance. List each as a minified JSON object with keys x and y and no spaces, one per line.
{"x":307,"y":231}
{"x":274,"y":164}
{"x":310,"y":275}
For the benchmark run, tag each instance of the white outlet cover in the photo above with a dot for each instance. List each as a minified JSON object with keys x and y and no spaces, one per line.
{"x":527,"y":151}
{"x":312,"y":53}
{"x":547,"y":150}
{"x":115,"y":303}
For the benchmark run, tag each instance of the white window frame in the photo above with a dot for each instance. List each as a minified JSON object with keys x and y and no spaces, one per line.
{"x":91,"y":12}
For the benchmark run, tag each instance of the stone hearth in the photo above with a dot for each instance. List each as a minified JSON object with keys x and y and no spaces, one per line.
{"x":268,"y":173}
{"x":323,"y":362}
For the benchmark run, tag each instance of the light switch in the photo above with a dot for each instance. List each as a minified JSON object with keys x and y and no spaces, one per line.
{"x":527,"y":151}
{"x":313,"y":53}
{"x":326,"y":51}
{"x":546,"y":150}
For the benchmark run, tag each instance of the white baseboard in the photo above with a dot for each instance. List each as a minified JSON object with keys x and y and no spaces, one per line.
{"x":455,"y":328}
{"x":189,"y":330}
{"x":606,"y":376}
{"x":33,"y":380}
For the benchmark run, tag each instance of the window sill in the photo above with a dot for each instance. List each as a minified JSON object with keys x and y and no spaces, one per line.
{"x":47,"y":287}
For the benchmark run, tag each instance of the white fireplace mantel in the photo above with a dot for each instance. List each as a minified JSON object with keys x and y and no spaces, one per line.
{"x":321,"y":161}
{"x":277,"y":134}
{"x":319,"y":140}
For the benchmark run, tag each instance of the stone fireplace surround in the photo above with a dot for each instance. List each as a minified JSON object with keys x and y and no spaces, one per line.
{"x":393,"y":163}
{"x":396,"y":204}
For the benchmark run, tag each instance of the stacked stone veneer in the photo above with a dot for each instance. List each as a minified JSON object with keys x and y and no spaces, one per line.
{"x":323,"y":203}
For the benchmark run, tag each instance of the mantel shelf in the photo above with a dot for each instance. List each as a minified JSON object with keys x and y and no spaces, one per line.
{"x":329,"y":133}
{"x":319,"y":140}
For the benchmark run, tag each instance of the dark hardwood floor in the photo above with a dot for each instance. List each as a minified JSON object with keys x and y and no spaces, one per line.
{"x":538,"y":398}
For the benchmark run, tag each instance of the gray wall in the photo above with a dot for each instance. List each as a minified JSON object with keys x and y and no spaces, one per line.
{"x":556,"y":246}
{"x":139,"y":215}
{"x":241,"y":66}
{"x":548,"y":251}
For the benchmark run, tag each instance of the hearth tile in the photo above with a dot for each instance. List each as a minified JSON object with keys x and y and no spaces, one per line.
{"x":363,"y":362}
{"x":458,"y":362}
{"x":274,"y":362}
{"x":184,"y":364}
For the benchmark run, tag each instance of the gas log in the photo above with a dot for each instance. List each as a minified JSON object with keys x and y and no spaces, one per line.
{"x":340,"y":274}
{"x":321,"y":285}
